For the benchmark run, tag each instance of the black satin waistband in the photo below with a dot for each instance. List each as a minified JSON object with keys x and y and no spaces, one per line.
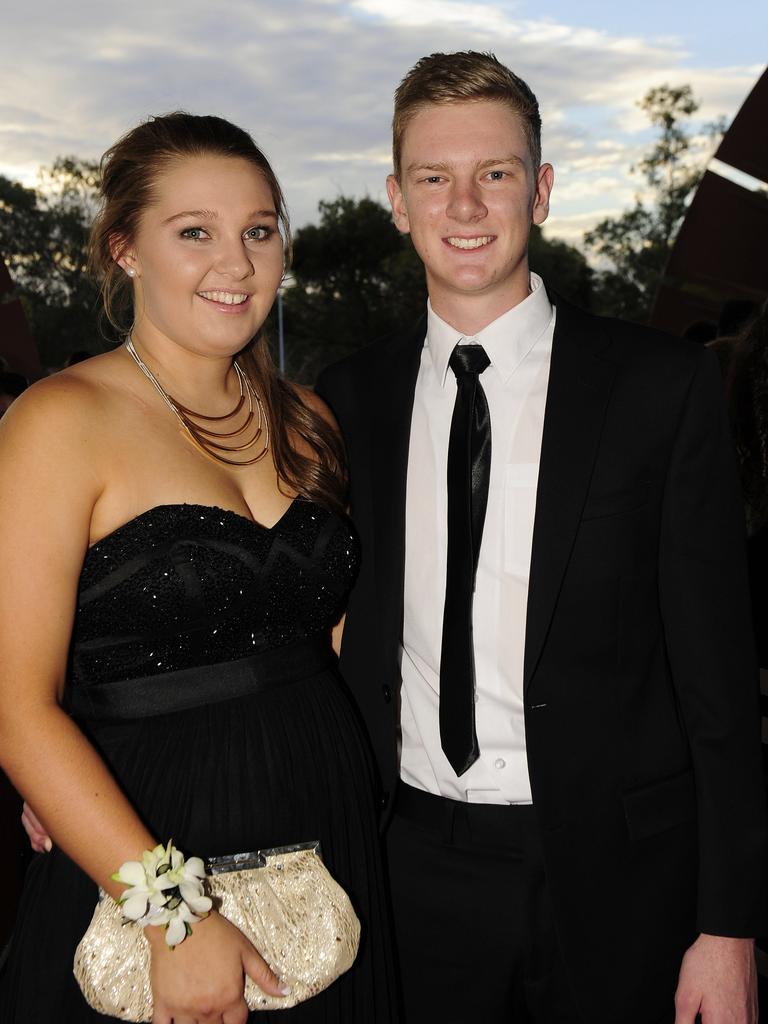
{"x":188,"y":688}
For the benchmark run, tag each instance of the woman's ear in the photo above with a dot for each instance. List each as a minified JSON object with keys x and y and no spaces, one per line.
{"x":123,"y":255}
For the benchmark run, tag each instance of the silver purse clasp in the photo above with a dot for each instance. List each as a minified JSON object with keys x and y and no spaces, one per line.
{"x":256,"y":858}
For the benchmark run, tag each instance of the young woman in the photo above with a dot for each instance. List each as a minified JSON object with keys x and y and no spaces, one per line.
{"x":172,"y":535}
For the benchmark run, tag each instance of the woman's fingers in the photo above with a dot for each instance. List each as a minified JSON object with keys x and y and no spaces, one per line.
{"x":257,"y":970}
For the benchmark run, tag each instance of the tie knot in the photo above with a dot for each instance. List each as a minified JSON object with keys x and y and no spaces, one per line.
{"x":466,"y":359}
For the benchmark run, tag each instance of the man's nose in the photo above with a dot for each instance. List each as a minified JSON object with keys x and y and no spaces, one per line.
{"x":466,"y":202}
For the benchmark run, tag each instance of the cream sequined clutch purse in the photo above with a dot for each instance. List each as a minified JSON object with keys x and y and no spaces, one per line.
{"x":284,"y":900}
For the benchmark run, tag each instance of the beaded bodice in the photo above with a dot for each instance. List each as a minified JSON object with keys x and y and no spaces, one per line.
{"x":190,"y":585}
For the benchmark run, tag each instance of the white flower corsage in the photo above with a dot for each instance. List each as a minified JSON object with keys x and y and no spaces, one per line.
{"x":164,"y":890}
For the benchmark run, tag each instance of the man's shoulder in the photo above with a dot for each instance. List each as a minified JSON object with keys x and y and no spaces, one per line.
{"x":630,"y":343}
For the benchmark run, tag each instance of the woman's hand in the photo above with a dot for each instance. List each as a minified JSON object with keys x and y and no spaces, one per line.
{"x":201,"y":981}
{"x":39,"y":839}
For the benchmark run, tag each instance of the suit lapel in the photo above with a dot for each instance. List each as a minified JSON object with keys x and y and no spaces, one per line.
{"x":580,"y":382}
{"x":392,"y":407}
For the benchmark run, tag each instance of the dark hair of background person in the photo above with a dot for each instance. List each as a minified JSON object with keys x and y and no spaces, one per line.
{"x":459,"y":78}
{"x":129,"y":173}
{"x":701,"y":331}
{"x":735,"y":317}
{"x":12,"y":384}
{"x":78,"y":356}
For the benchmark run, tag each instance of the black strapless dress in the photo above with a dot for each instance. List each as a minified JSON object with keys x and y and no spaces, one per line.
{"x":201,"y":670}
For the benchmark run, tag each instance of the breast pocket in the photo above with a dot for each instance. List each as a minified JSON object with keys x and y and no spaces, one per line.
{"x":519,"y":508}
{"x":616,"y":502}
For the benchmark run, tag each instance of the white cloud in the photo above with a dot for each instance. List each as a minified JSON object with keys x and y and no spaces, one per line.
{"x":313,"y":80}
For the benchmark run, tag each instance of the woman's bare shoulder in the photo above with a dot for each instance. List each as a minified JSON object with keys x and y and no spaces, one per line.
{"x":60,"y":425}
{"x":69,"y":398}
{"x":314,"y":402}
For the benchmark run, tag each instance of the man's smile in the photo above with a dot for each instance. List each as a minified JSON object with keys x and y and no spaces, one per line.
{"x":476,"y":242}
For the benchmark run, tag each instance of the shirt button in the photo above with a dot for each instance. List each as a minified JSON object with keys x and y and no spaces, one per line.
{"x":499,"y":763}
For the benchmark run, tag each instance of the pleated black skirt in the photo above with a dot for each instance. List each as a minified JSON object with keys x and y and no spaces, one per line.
{"x":268,"y":769}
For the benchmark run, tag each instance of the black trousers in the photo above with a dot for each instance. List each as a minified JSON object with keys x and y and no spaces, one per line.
{"x":475,"y":936}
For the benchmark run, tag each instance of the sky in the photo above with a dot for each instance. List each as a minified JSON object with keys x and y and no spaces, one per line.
{"x":313,"y":80}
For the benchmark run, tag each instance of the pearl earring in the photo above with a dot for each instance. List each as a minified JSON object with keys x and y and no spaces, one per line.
{"x":131,"y":272}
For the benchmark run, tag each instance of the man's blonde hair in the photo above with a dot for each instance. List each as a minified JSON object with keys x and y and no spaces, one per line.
{"x":459,"y":78}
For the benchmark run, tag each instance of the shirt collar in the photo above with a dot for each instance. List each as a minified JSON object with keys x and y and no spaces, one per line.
{"x":506,"y":340}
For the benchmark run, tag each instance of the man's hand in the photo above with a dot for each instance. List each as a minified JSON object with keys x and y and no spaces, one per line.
{"x":39,"y":839}
{"x":718,"y":980}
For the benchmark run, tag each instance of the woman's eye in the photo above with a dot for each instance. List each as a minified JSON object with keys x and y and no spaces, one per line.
{"x":258,"y":234}
{"x":193,"y":233}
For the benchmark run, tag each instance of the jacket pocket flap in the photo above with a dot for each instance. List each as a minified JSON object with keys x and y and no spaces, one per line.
{"x":613,"y":503}
{"x":660,"y":806}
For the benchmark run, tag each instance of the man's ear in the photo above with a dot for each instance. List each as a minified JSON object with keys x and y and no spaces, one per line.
{"x":397,"y":202}
{"x":545,"y":179}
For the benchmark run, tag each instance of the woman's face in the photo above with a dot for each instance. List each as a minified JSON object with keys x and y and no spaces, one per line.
{"x":208,"y":256}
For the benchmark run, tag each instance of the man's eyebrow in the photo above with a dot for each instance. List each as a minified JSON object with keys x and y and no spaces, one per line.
{"x":212,"y":215}
{"x":510,"y":158}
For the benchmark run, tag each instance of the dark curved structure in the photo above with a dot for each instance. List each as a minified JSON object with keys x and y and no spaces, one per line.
{"x":721,"y":252}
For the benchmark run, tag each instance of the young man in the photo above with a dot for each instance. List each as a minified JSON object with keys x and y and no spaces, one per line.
{"x":551,"y":614}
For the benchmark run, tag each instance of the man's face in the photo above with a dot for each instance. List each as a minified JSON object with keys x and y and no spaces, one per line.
{"x":468,"y":195}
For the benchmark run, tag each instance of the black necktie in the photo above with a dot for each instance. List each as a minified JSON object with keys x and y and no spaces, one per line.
{"x":469,"y":468}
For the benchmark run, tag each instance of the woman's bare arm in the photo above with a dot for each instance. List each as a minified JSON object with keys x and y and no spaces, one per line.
{"x":50,"y":454}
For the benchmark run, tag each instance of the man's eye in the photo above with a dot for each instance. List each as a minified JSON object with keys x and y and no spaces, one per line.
{"x":496,"y":175}
{"x":433,"y":179}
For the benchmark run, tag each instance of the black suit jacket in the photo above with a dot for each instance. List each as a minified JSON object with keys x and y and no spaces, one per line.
{"x":641,"y":696}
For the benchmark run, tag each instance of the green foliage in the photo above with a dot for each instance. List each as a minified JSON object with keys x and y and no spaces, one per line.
{"x":355,"y":278}
{"x":635,"y":247}
{"x":564,"y":269}
{"x":43,"y":239}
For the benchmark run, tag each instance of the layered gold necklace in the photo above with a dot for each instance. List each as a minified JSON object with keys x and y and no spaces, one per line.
{"x":209,"y":440}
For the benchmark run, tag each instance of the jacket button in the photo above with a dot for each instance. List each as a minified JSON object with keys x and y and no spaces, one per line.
{"x":384,"y":800}
{"x":387,"y":694}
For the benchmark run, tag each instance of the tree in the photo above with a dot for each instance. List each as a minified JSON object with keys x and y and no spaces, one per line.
{"x":354,"y":276}
{"x":635,"y":246}
{"x":43,"y":239}
{"x":357,"y":278}
{"x":563,"y":267}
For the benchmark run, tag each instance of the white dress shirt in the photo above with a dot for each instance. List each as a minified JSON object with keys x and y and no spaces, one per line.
{"x":519,"y":346}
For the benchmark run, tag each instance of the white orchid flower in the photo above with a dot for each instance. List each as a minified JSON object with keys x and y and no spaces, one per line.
{"x":164,"y":889}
